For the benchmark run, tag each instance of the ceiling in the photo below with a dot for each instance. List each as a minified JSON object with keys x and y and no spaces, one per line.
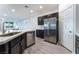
{"x":22,"y":11}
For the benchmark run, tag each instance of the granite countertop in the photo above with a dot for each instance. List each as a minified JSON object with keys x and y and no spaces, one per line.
{"x":6,"y":39}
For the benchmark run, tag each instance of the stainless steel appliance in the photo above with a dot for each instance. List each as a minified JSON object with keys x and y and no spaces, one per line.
{"x":50,"y":30}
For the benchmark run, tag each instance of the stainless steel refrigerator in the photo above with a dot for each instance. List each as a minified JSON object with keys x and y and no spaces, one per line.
{"x":50,"y":30}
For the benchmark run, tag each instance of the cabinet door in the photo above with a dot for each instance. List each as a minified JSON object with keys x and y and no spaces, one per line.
{"x":23,"y":43}
{"x":30,"y":38}
{"x":40,"y":21}
{"x":4,"y":49}
{"x":15,"y":49}
{"x":40,"y":33}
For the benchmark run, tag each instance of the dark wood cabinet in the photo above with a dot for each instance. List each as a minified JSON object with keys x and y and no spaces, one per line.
{"x":16,"y":49}
{"x":15,"y":46}
{"x":23,"y":42}
{"x":40,"y":21}
{"x":4,"y":49}
{"x":18,"y":44}
{"x":40,"y":33}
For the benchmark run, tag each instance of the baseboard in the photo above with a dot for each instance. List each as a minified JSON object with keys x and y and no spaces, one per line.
{"x":64,"y":47}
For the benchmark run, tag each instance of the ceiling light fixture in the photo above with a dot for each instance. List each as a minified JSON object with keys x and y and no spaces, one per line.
{"x":31,"y":11}
{"x":13,"y":10}
{"x":41,"y":7}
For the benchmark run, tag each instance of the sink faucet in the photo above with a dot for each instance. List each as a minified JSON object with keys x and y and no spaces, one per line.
{"x":8,"y":26}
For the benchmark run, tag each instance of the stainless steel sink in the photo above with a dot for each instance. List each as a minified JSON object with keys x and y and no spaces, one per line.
{"x":9,"y":34}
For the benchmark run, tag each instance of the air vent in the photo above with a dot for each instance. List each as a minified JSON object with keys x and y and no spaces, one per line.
{"x":26,"y":6}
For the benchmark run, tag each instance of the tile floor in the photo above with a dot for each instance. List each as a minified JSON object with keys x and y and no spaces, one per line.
{"x":42,"y":47}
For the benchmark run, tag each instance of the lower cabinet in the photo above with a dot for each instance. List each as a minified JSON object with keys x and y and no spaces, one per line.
{"x":18,"y":44}
{"x":40,"y":33}
{"x":15,"y":46}
{"x":23,"y":42}
{"x":4,"y":49}
{"x":16,"y":49}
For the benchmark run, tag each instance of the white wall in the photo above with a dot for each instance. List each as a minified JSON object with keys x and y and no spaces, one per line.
{"x":62,"y":7}
{"x":33,"y":22}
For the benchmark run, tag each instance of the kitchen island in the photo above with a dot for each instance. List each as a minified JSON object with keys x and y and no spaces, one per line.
{"x":17,"y":43}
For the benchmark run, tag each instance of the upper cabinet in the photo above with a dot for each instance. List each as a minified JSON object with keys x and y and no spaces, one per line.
{"x":40,"y":21}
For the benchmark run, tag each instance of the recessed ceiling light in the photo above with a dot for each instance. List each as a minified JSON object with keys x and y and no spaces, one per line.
{"x":13,"y":10}
{"x":31,"y":11}
{"x":41,"y":7}
{"x":5,"y":14}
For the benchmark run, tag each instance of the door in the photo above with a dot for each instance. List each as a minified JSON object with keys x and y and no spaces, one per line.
{"x":68,"y":26}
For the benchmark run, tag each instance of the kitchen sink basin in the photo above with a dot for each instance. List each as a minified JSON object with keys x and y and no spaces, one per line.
{"x":9,"y":34}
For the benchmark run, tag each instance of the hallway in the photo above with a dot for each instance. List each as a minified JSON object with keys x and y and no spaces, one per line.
{"x":42,"y":47}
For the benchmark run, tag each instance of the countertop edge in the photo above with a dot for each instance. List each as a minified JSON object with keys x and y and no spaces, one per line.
{"x":12,"y":37}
